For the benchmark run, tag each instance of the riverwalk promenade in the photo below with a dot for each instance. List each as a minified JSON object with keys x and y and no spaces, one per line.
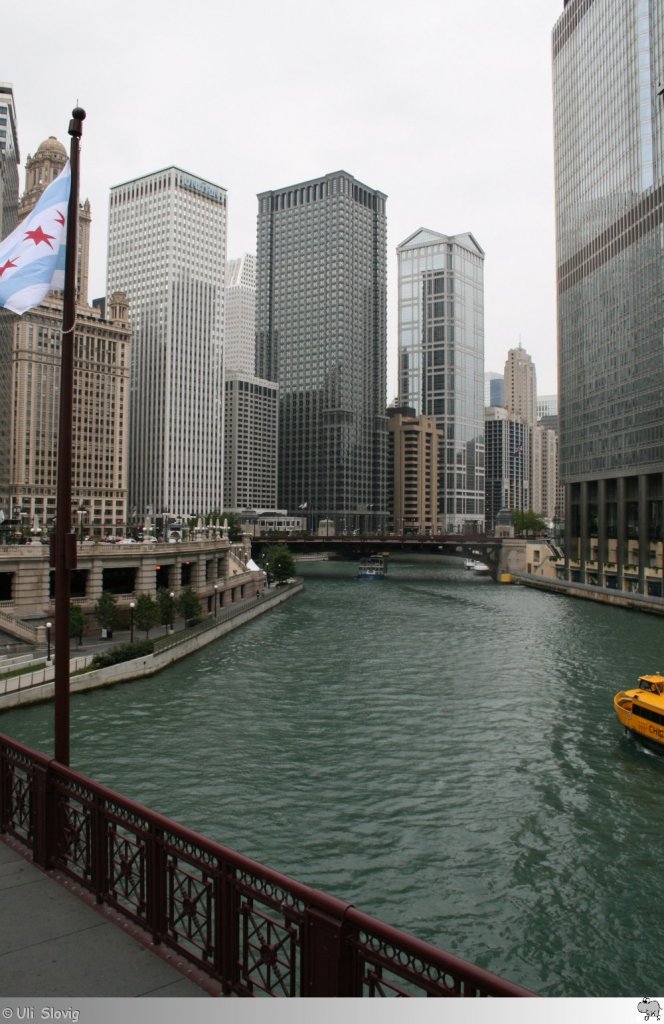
{"x":29,"y":687}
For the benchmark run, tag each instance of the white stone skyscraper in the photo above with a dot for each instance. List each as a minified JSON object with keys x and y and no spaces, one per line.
{"x":251,"y":413}
{"x":240,"y":333}
{"x":167,"y":252}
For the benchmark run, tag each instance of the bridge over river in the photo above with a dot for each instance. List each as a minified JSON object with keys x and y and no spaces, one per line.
{"x":353,"y":547}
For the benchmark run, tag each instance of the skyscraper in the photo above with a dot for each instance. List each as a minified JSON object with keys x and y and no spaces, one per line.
{"x":547,"y":499}
{"x":609,"y":167}
{"x":240,"y":332}
{"x":167,"y":251}
{"x":494,"y":388}
{"x":40,"y":170}
{"x":441,"y":362}
{"x":321,"y":334}
{"x":507,"y":439}
{"x":250,"y":442}
{"x":413,"y":463}
{"x":520,"y":387}
{"x":29,"y":409}
{"x":520,"y":399}
{"x":9,"y":161}
{"x":99,"y":430}
{"x":547,"y":405}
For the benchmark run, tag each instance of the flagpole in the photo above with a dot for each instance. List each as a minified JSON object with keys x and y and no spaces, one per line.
{"x":64,"y":555}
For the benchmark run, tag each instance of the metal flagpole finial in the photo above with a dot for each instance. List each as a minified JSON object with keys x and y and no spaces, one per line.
{"x":78,"y":115}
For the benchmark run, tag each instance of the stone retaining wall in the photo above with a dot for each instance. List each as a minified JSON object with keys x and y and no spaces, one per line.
{"x":618,"y":598}
{"x":33,"y":687}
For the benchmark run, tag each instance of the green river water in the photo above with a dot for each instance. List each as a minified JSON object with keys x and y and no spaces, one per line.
{"x":435,"y":748}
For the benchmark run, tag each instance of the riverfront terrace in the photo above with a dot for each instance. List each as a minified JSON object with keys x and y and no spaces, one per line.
{"x":212,"y":566}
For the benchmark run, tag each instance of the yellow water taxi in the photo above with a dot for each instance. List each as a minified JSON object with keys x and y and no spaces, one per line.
{"x":641,"y":710}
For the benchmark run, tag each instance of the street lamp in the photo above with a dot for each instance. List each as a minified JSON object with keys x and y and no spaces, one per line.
{"x":172,"y":610}
{"x":82,"y":512}
{"x":132,"y":605}
{"x":48,"y":640}
{"x":216,"y":589}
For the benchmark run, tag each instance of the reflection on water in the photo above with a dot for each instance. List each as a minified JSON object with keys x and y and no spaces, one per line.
{"x":437,"y":749}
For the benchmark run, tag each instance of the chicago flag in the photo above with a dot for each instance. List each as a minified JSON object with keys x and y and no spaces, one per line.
{"x":32,"y":257}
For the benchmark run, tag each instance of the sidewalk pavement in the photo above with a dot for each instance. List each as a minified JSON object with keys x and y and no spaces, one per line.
{"x":55,"y":941}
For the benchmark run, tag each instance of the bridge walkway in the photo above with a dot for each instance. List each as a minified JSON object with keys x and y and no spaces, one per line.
{"x":56,"y":942}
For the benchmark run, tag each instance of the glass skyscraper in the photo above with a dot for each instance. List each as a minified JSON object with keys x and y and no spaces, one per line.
{"x":9,"y":161}
{"x":321,"y":334}
{"x":608,"y":108}
{"x":167,"y":252}
{"x":441,"y":362}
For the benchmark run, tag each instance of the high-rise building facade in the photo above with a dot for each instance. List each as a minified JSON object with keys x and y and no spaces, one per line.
{"x":520,"y":399}
{"x":40,"y":170}
{"x":441,"y":362}
{"x":240,"y":332}
{"x":547,"y":405}
{"x":251,"y":414}
{"x":29,"y":410}
{"x":520,"y":385}
{"x":413,"y":470}
{"x":609,"y":179}
{"x":546,"y":496}
{"x":9,"y":161}
{"x":99,"y":429}
{"x":508,"y":439}
{"x":9,"y":194}
{"x":494,"y":388}
{"x":322,"y":335}
{"x":167,"y":252}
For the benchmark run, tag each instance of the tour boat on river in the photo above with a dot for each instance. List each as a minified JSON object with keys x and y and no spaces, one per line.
{"x":641,"y":710}
{"x":373,"y":568}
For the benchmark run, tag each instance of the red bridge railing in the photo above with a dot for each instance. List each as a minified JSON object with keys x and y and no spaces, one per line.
{"x":256,"y":931}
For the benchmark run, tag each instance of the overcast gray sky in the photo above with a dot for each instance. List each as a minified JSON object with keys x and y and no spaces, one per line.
{"x":444,"y":105}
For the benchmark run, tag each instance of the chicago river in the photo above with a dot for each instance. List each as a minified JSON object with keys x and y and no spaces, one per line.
{"x":437,"y":749}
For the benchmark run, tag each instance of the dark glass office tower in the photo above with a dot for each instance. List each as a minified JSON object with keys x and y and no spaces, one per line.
{"x":321,"y":334}
{"x":9,"y":161}
{"x":608,"y":108}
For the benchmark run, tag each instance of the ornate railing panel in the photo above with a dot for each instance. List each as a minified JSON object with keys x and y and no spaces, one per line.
{"x":17,"y":794}
{"x":255,"y":931}
{"x":271,"y":920}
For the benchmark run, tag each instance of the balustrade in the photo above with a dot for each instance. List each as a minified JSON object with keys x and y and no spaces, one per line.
{"x":255,"y":931}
